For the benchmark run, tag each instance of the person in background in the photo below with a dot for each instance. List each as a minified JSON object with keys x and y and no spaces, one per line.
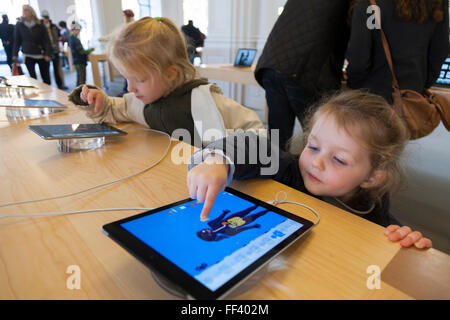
{"x":79,"y":54}
{"x":30,"y":35}
{"x":302,"y":59}
{"x":53,"y":34}
{"x":7,"y":37}
{"x":194,"y":39}
{"x":128,"y":17}
{"x":417,"y":33}
{"x":65,"y":34}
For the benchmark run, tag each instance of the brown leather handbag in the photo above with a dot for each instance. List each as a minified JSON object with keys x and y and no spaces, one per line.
{"x":421,"y":113}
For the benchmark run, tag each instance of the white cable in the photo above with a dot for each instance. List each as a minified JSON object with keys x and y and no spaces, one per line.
{"x":70,"y":212}
{"x":101,"y":185}
{"x":277,"y":201}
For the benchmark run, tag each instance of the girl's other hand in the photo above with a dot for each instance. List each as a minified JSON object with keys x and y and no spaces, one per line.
{"x":407,"y":237}
{"x":206,"y":180}
{"x":92,"y":96}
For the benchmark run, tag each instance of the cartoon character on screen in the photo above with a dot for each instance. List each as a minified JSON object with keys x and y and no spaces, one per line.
{"x":230,"y":226}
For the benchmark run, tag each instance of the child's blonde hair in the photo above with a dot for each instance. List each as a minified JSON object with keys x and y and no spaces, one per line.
{"x":152,"y":44}
{"x":370,"y":120}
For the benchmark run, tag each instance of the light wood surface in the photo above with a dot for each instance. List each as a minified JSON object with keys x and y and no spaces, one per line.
{"x":329,"y":263}
{"x":100,"y":55}
{"x":227,"y":72}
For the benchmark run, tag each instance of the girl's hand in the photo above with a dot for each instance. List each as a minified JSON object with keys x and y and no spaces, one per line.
{"x":206,"y":180}
{"x":92,"y":96}
{"x":407,"y":237}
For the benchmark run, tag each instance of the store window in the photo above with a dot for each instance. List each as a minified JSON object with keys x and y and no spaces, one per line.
{"x":143,"y":8}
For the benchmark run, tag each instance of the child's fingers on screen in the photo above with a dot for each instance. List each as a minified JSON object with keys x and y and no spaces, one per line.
{"x":201,"y":192}
{"x":192,"y":187}
{"x":211,"y":196}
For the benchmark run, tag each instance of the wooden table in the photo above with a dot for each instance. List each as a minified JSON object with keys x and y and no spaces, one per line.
{"x":37,"y":253}
{"x":227,"y":72}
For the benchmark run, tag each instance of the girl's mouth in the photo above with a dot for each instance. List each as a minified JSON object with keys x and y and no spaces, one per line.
{"x":313,"y":177}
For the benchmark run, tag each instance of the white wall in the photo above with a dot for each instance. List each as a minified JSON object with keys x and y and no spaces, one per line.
{"x":107,"y":16}
{"x":237,"y":24}
{"x":58,"y":10}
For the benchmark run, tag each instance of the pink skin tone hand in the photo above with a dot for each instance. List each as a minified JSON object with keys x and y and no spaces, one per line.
{"x":407,"y":237}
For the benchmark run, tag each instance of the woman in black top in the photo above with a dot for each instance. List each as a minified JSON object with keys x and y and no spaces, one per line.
{"x":32,"y":37}
{"x":417,"y":32}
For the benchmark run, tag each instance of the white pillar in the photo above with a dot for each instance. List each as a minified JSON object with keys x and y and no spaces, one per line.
{"x":106,"y":17}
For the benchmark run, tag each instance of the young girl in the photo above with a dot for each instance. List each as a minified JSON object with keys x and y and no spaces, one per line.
{"x":350,"y":159}
{"x":164,"y":94}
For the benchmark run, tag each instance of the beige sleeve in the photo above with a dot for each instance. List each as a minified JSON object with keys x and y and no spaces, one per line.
{"x":235,"y":115}
{"x":116,"y":110}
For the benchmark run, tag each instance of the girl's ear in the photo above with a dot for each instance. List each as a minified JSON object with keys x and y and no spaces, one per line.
{"x":171,"y":73}
{"x":376,"y":178}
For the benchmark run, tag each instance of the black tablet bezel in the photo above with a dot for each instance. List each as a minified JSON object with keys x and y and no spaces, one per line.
{"x":237,"y":65}
{"x":60,"y":105}
{"x":154,"y":261}
{"x":39,"y":130}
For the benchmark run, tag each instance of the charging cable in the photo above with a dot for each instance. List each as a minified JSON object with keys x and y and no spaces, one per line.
{"x":284,"y":200}
{"x":95,"y":187}
{"x":70,"y":212}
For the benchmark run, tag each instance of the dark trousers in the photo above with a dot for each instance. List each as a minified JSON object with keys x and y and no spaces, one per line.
{"x":55,"y":61}
{"x":81,"y":74}
{"x":9,"y":54}
{"x":44,"y":68}
{"x":286,"y":100}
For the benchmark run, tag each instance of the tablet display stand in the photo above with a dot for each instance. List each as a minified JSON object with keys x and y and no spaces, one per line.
{"x":176,"y":291}
{"x":17,"y":114}
{"x":81,"y":144}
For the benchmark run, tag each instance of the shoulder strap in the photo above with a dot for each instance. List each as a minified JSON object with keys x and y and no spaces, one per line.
{"x":385,"y":46}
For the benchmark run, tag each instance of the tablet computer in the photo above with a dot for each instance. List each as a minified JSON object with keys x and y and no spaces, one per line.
{"x":29,"y":103}
{"x":208,"y":259}
{"x":444,"y":76}
{"x":244,"y":57}
{"x":75,"y":131}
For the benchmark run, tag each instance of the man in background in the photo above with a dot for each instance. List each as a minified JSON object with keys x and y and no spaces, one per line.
{"x":53,"y":34}
{"x":7,"y":36}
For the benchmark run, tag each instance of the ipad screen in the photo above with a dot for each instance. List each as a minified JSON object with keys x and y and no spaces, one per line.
{"x":74,"y":130}
{"x":236,"y":234}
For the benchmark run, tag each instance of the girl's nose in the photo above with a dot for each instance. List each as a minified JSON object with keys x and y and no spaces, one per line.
{"x":318,"y":163}
{"x":131,"y":87}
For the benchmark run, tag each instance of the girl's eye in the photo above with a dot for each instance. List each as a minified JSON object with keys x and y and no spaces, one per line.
{"x":340,"y":161}
{"x":313,"y":148}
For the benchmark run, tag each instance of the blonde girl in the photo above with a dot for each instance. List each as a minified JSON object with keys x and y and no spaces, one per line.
{"x":163,"y":91}
{"x":351,"y":159}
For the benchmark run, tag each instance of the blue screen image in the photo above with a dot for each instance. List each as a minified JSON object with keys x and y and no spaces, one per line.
{"x":236,"y":234}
